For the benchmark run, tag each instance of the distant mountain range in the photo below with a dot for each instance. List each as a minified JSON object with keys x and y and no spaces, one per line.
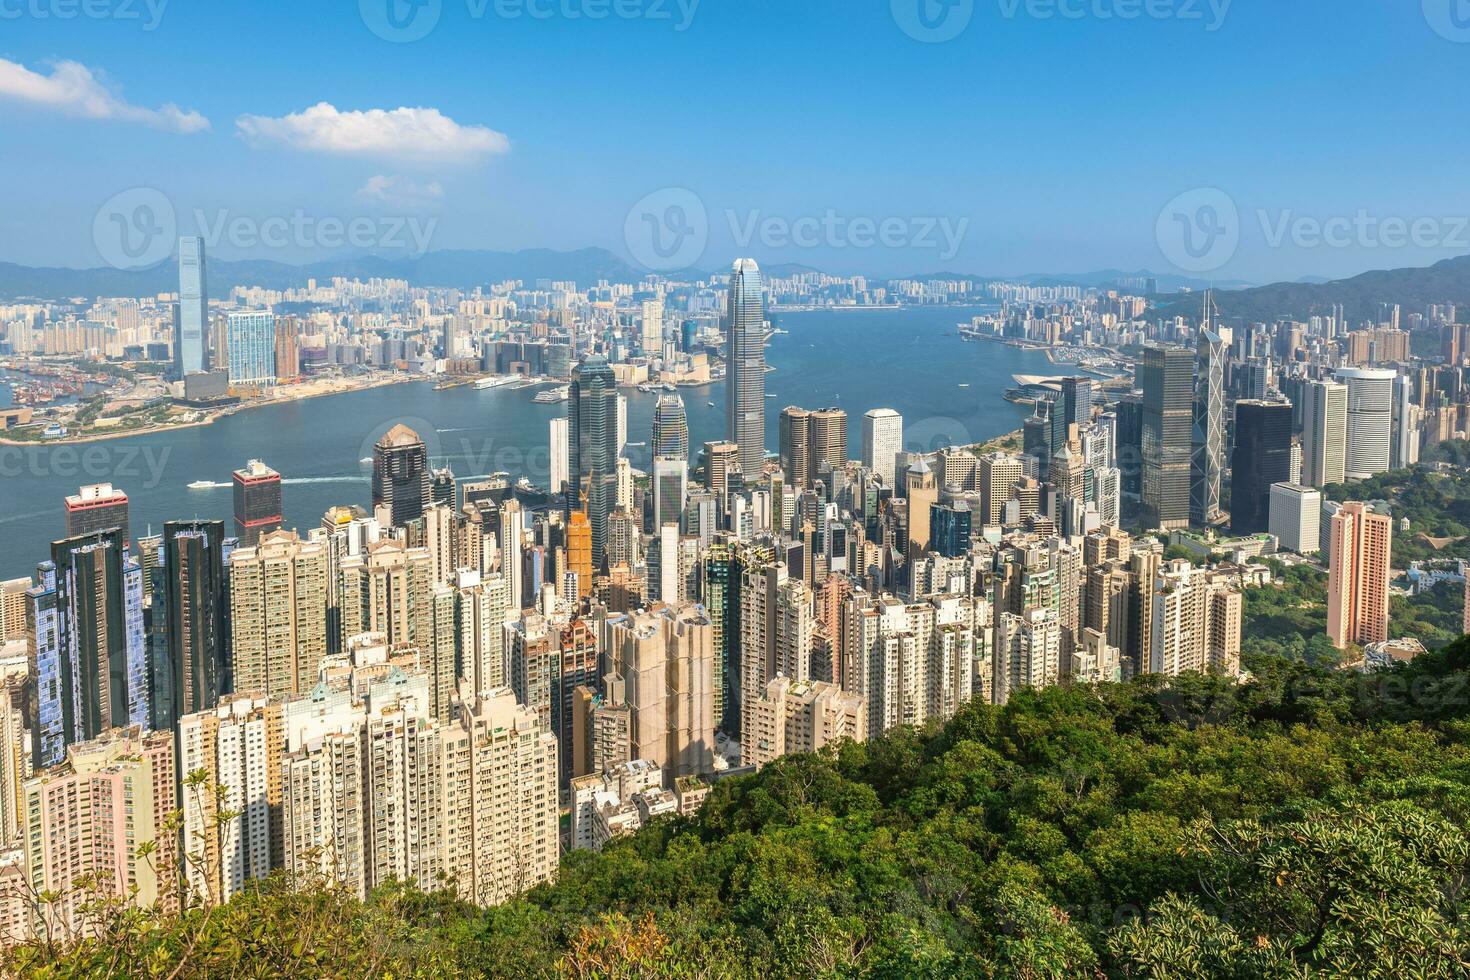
{"x":1360,"y":296}
{"x":454,"y":269}
{"x":1415,"y":288}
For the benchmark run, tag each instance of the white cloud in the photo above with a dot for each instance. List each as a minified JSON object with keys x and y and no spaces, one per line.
{"x":73,"y":89}
{"x":416,"y":135}
{"x":401,"y":192}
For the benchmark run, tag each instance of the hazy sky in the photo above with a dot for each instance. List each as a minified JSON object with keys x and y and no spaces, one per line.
{"x":1306,"y":137}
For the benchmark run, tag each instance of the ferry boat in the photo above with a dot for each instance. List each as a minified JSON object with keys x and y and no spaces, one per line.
{"x":497,"y":382}
{"x":202,"y":485}
{"x":553,"y":396}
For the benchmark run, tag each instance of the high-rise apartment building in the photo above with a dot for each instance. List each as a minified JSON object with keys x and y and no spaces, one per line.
{"x":1196,"y":623}
{"x":794,"y":716}
{"x":745,"y":386}
{"x":92,"y":817}
{"x":665,"y":659}
{"x":252,"y":348}
{"x":1358,"y":573}
{"x":232,"y":819}
{"x":1028,"y":652}
{"x":279,"y":601}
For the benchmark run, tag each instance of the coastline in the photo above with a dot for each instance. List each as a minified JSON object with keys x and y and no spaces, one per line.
{"x":213,"y":418}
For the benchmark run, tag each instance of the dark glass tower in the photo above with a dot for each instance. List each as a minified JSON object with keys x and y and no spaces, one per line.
{"x":401,"y":475}
{"x":1262,"y":457}
{"x":593,"y":425}
{"x":195,"y":608}
{"x":1166,"y":375}
{"x":257,"y":503}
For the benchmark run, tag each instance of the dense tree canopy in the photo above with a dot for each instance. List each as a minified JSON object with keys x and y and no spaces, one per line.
{"x":1308,"y":823}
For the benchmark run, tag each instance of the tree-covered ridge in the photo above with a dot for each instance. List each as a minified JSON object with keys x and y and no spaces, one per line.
{"x":1308,"y":823}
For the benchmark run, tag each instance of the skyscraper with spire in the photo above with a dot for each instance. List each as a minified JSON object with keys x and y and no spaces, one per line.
{"x":1209,"y":423}
{"x":670,"y":429}
{"x":745,"y":383}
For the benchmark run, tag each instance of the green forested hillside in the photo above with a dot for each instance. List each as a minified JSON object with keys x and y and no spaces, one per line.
{"x":1309,"y":823}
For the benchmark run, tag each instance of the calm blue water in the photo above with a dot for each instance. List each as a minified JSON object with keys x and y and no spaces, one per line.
{"x":908,"y":360}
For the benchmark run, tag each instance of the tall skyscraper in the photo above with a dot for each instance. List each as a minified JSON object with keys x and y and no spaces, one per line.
{"x":401,"y":475}
{"x":1324,"y":433}
{"x":288,"y":349}
{"x":745,"y":383}
{"x":882,"y":442}
{"x":1209,"y":430}
{"x":1406,"y":419}
{"x":1358,"y":572}
{"x":1262,"y":457}
{"x":195,"y":608}
{"x":88,"y":655}
{"x":252,"y":348}
{"x":1166,"y":375}
{"x":652,"y":323}
{"x":561,"y":448}
{"x":593,"y":421}
{"x":97,"y":508}
{"x":794,"y":442}
{"x":1369,"y":420}
{"x":258,"y":504}
{"x":1072,"y":407}
{"x":1296,"y":517}
{"x":666,"y":661}
{"x":721,"y":459}
{"x":670,"y":488}
{"x":191,"y":316}
{"x":670,"y":428}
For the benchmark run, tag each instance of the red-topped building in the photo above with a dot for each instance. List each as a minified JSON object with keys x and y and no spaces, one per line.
{"x":99,"y":507}
{"x":257,"y":502}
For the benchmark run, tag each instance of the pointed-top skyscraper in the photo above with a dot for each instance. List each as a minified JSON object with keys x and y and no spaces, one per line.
{"x":745,"y":380}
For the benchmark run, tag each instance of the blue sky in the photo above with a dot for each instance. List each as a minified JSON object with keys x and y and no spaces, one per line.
{"x":1032,"y":141}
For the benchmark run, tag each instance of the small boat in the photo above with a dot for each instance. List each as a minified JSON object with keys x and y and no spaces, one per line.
{"x":366,"y":460}
{"x":964,"y":384}
{"x":711,"y":404}
{"x":202,"y":485}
